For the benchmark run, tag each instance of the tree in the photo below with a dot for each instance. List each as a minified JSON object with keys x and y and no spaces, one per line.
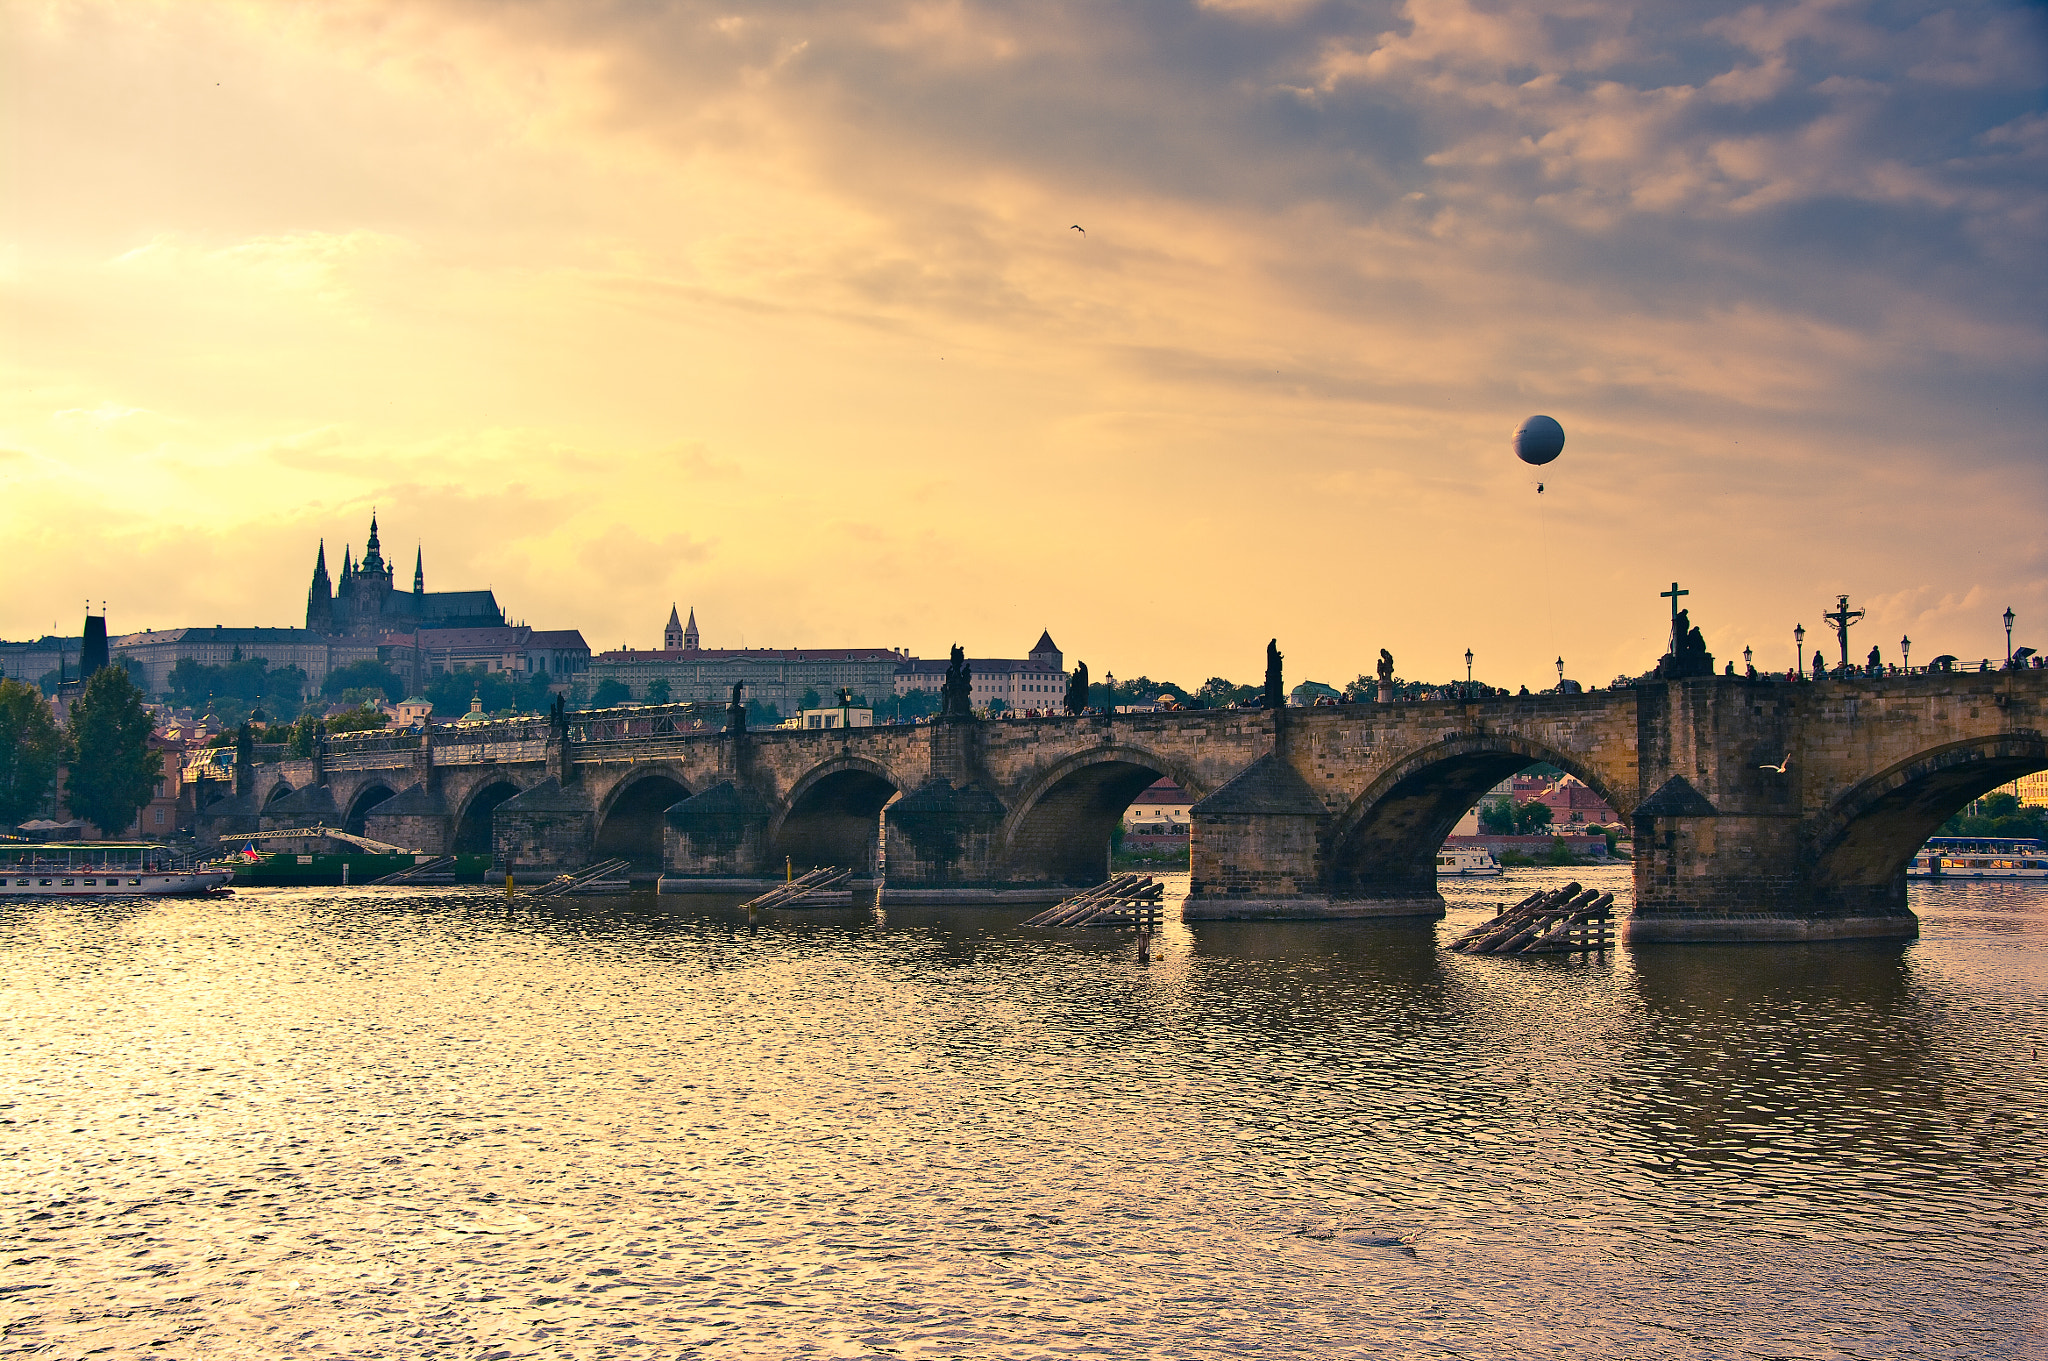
{"x":363,"y":718}
{"x":1497,"y":817}
{"x":363,"y":675}
{"x":610,"y":691}
{"x":657,"y":690}
{"x":499,"y":692}
{"x":112,"y":768}
{"x":811,"y":700}
{"x":1218,"y":693}
{"x":1532,"y":817}
{"x":31,"y":747}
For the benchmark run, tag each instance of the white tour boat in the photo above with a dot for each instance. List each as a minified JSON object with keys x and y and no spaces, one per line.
{"x":1465,"y":861}
{"x":88,"y":869}
{"x":1979,"y":857}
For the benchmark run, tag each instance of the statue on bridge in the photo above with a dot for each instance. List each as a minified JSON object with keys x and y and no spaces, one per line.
{"x":558,"y":718}
{"x":1077,"y":689}
{"x":1275,"y":696}
{"x":1688,"y":655}
{"x":736,"y":712}
{"x":1385,"y":671}
{"x":956,"y":696}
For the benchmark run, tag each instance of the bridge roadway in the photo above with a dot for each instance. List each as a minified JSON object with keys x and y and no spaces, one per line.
{"x":1301,"y":813}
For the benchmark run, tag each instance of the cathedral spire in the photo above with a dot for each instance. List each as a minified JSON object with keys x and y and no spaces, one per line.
{"x":672,"y":636}
{"x":373,"y":555}
{"x":320,"y":596}
{"x":419,"y":571}
{"x":690,"y":631}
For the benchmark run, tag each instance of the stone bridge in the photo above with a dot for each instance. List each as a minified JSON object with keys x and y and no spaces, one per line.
{"x":1300,"y":813}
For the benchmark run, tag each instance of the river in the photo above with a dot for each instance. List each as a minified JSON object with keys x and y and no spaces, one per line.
{"x":316,"y":1122}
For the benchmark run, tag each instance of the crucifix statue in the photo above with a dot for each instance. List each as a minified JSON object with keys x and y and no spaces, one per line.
{"x":1672,"y":595}
{"x":1841,"y":619}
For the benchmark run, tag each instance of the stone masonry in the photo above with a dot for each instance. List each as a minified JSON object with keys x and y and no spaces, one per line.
{"x":1304,"y":813}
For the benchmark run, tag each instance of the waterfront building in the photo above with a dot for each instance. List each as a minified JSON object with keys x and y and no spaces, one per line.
{"x":156,"y":651}
{"x":776,"y":676}
{"x":365,"y":601}
{"x":1037,"y":681}
{"x":1161,"y":808}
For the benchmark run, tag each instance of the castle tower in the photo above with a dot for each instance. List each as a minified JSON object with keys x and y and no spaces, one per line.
{"x":689,"y":630}
{"x":320,"y":596}
{"x":672,"y":635}
{"x":1047,"y":651}
{"x":419,"y":571}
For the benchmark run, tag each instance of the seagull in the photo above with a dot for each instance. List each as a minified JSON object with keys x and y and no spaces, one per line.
{"x":1081,"y":229}
{"x":1780,"y":767}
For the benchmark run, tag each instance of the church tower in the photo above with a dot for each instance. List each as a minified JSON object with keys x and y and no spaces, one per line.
{"x":689,"y":630}
{"x":672,"y":635}
{"x":419,"y":571}
{"x":320,"y":598}
{"x":1047,"y":651}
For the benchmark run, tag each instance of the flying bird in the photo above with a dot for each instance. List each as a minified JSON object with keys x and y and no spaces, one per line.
{"x":1780,"y":767}
{"x":1081,"y":229}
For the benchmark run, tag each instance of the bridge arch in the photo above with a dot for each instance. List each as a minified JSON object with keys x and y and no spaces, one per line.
{"x":1059,"y":829}
{"x":1385,"y":841}
{"x":473,"y":818}
{"x":359,"y":807}
{"x":833,"y":815}
{"x":277,"y":791}
{"x":1863,"y":841}
{"x":629,"y":820}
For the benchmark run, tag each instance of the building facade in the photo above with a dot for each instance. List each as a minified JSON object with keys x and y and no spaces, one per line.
{"x":157,"y":651}
{"x":777,"y":676}
{"x":365,"y":601}
{"x":1038,"y":681}
{"x":521,"y":652}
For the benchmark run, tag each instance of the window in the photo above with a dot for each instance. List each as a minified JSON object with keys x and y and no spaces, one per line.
{"x":159,"y":817}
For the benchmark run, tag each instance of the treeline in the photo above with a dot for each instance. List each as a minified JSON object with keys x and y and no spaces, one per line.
{"x":2000,"y":815}
{"x":110,"y":772}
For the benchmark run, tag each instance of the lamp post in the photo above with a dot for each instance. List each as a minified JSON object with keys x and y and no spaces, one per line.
{"x":2008,"y":636}
{"x":1748,"y":664}
{"x":1798,"y":651}
{"x":1560,"y":675}
{"x":1468,"y":663}
{"x":1905,"y":654}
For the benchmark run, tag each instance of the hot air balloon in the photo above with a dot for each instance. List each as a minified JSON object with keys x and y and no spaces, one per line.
{"x":1538,"y":440}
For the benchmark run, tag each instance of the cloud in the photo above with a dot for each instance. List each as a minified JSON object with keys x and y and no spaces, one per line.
{"x":782,"y":306}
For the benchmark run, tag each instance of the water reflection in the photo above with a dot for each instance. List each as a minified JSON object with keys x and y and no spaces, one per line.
{"x":448,"y":1123}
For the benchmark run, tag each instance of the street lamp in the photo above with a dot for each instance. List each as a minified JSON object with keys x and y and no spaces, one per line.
{"x":1560,"y":675}
{"x":2008,"y":635}
{"x":1905,"y":653}
{"x":1798,"y":650}
{"x":1748,"y":665}
{"x":1468,"y":664}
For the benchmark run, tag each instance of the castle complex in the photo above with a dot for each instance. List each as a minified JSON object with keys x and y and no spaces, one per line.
{"x":366,"y":601}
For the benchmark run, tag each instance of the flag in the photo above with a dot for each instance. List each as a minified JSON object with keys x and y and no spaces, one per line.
{"x":249,"y":852}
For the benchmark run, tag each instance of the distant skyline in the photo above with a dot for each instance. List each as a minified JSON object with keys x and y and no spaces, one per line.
{"x":779,"y":313}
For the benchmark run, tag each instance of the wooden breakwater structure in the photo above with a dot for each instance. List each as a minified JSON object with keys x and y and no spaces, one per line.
{"x":606,"y":876}
{"x":824,"y":886}
{"x":1125,"y":900}
{"x":1568,"y":920}
{"x":440,"y":868}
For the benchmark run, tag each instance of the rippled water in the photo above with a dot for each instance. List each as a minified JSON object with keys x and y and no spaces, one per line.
{"x":321,"y":1123}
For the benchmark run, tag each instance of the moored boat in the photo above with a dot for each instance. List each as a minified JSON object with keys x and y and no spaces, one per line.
{"x":1979,"y":857}
{"x":104,"y":870}
{"x":1465,"y":862}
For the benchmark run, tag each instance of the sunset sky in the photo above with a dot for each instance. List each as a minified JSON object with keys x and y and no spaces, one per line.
{"x":777,"y":311}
